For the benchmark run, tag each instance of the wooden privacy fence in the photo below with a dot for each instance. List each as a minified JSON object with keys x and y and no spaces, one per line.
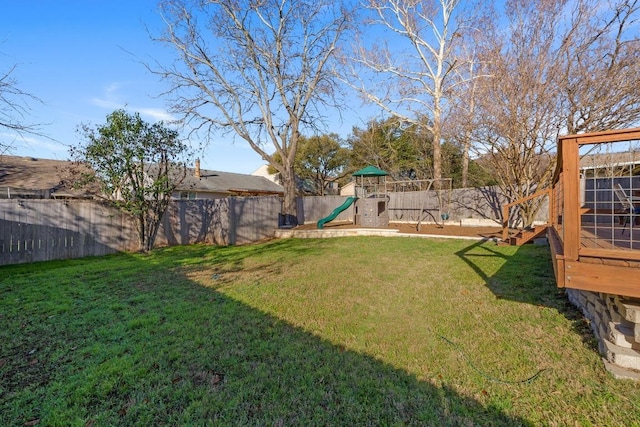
{"x":43,"y":230}
{"x":313,"y":208}
{"x":464,"y":203}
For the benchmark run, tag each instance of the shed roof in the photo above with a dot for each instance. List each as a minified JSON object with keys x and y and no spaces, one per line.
{"x":370,"y":171}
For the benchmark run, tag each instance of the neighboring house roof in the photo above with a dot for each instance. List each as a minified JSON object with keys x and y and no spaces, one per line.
{"x":29,"y":177}
{"x":608,"y":160}
{"x":228,"y":183}
{"x":264,"y":172}
{"x":303,"y":185}
{"x":348,"y":189}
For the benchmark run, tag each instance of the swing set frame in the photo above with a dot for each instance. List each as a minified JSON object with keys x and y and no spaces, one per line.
{"x":421,"y":207}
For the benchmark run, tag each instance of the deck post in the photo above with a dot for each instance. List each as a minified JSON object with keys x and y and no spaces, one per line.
{"x":571,"y":215}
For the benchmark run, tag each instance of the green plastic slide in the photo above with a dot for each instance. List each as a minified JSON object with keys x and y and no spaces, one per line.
{"x":336,"y":212}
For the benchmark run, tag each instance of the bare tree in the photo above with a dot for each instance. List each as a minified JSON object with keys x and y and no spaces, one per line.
{"x":416,"y":70}
{"x":461,"y":120}
{"x":517,"y":107}
{"x":555,"y":67}
{"x":258,"y":69}
{"x":599,"y":67}
{"x":14,"y":108}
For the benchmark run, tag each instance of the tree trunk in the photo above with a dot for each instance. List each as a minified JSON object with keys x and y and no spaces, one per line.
{"x":465,"y":161}
{"x":437,"y":148}
{"x":154,"y":226}
{"x":437,"y":136}
{"x":437,"y":158}
{"x":289,"y":205}
{"x":141,"y":233}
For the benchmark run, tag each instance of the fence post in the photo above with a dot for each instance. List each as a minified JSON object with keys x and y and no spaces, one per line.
{"x":571,"y":217}
{"x":231,"y":212}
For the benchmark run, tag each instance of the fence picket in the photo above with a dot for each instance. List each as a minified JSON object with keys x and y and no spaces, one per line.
{"x":46,"y":229}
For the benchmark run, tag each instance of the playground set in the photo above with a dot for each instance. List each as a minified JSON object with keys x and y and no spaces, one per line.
{"x":378,"y":201}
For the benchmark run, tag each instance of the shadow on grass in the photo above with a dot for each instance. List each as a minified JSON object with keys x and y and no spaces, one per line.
{"x":183,"y":354}
{"x":525,"y":276}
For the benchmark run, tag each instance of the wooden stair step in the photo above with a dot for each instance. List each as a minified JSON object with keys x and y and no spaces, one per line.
{"x":525,"y":236}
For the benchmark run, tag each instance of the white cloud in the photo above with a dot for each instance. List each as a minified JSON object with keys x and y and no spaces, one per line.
{"x":113,"y":88}
{"x":155,"y":113}
{"x":28,"y":145}
{"x":112,"y":100}
{"x":106,"y":104}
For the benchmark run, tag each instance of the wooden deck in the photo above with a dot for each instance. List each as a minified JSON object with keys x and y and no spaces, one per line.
{"x":617,"y":237}
{"x":594,"y":257}
{"x":599,"y":254}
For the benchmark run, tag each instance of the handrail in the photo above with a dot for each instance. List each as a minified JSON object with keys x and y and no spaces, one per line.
{"x":574,"y":259}
{"x":505,"y":209}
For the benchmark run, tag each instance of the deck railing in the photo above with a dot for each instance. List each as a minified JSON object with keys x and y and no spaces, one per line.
{"x":594,"y":235}
{"x":507,"y":208}
{"x":594,"y":212}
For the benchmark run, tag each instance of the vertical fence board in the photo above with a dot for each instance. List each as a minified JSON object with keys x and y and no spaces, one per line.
{"x":318,"y":207}
{"x":40,"y":230}
{"x":253,"y":218}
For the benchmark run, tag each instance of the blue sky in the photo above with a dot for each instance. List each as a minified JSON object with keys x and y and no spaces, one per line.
{"x":82,"y":58}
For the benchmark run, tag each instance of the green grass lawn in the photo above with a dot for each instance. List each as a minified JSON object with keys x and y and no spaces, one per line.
{"x":346,"y":332}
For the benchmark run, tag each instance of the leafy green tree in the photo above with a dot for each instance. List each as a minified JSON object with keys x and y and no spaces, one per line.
{"x":321,"y":159}
{"x":399,"y":149}
{"x":406,"y":152}
{"x":135,"y":165}
{"x":453,"y":167}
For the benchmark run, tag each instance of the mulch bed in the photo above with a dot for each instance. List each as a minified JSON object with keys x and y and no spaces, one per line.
{"x":446,"y":230}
